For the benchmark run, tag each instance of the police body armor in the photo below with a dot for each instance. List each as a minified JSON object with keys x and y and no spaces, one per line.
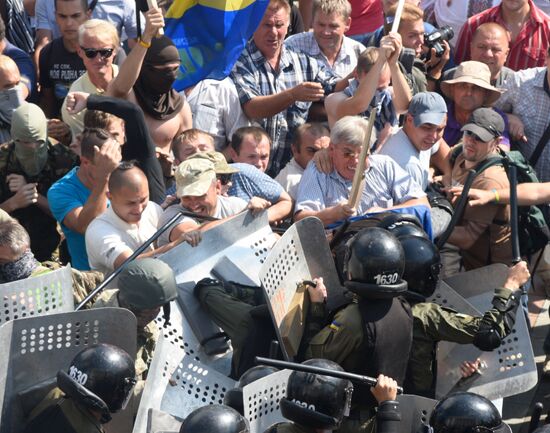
{"x":387,"y":340}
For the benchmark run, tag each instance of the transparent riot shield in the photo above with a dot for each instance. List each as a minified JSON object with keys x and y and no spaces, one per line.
{"x":505,"y":371}
{"x":49,"y":293}
{"x":36,"y":348}
{"x":234,"y":250}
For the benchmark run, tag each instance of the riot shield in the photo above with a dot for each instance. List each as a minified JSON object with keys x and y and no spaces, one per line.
{"x":180,"y":380}
{"x":38,"y":347}
{"x":415,"y":412}
{"x":261,"y":400}
{"x":49,"y":293}
{"x":508,"y":370}
{"x":235,"y":249}
{"x":301,"y":254}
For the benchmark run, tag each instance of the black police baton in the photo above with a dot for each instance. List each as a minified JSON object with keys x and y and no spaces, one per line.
{"x":512,"y":174}
{"x":137,"y":252}
{"x":366,"y":380}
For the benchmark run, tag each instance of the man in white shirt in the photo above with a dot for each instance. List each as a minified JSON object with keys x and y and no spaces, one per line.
{"x":130,"y":220}
{"x":420,"y":139}
{"x":308,"y":139}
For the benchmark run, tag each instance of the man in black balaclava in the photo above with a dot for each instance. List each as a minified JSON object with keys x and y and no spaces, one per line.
{"x":146,"y":78}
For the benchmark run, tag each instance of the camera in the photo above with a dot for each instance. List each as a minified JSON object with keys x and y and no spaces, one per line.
{"x":434,"y":40}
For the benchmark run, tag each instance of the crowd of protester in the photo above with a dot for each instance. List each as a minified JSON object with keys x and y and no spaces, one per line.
{"x":99,"y":150}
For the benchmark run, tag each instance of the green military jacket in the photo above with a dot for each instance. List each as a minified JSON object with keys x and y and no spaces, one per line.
{"x":146,"y":340}
{"x":433,"y":323}
{"x":41,"y":226}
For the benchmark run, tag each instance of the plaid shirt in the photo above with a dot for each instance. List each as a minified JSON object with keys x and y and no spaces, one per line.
{"x":528,"y":50}
{"x":526,"y":98}
{"x":254,"y":76}
{"x":346,"y":60}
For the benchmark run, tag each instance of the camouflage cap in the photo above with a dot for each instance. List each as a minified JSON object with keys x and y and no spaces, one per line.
{"x":220,"y":163}
{"x":146,"y":283}
{"x":194,"y":177}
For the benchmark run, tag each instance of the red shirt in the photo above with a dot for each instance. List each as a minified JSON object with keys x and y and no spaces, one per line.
{"x":527,"y":51}
{"x":366,"y":16}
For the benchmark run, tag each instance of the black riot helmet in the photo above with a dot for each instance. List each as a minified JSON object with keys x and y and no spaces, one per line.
{"x":403,"y":224}
{"x":422,"y":265}
{"x":215,"y":418}
{"x":100,"y":377}
{"x":374,"y":264}
{"x":465,"y":412}
{"x":234,"y":397}
{"x":317,"y":401}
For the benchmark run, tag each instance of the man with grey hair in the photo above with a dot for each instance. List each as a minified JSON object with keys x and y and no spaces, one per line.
{"x":325,"y":196}
{"x":17,"y":261}
{"x":327,"y":43}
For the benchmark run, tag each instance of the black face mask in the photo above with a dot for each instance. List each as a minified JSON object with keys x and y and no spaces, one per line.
{"x":18,"y":269}
{"x":160,"y":80}
{"x":153,"y":88}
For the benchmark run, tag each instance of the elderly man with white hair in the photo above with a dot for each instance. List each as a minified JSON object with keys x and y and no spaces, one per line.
{"x":325,"y":196}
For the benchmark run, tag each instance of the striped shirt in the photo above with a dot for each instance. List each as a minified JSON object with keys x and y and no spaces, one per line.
{"x":386,"y":185}
{"x":529,"y":48}
{"x":526,"y":98}
{"x":254,"y":76}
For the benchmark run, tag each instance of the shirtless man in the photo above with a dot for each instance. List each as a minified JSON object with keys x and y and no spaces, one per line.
{"x":146,"y":78}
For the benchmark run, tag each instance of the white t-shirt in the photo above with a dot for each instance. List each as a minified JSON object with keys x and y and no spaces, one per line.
{"x":108,"y":236}
{"x":415,"y":162}
{"x":226,"y":207}
{"x":289,"y":177}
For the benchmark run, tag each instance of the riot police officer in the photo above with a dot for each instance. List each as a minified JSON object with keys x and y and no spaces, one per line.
{"x":144,"y":286}
{"x":234,"y":397}
{"x":316,"y":402}
{"x":215,"y":418}
{"x":465,"y":412}
{"x":433,"y":323}
{"x":98,"y":382}
{"x":373,"y":334}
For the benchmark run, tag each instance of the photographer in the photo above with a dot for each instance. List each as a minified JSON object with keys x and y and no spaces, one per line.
{"x":425,"y":53}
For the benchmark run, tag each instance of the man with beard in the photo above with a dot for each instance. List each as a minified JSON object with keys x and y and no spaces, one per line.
{"x":146,"y":78}
{"x":29,"y":165}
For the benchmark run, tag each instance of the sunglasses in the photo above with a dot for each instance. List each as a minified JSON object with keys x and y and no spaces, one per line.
{"x":474,"y":136}
{"x":92,"y":52}
{"x":224,"y":178}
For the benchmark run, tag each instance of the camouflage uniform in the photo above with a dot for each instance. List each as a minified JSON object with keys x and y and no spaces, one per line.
{"x":42,"y":227}
{"x":432,"y":324}
{"x":146,"y":340}
{"x":83,"y":281}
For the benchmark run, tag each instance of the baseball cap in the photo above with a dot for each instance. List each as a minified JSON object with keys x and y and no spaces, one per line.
{"x":486,"y":123}
{"x":427,"y":107}
{"x":220,"y":163}
{"x":194,"y":177}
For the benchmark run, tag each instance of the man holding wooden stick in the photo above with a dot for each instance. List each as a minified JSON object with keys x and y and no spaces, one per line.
{"x":386,"y":185}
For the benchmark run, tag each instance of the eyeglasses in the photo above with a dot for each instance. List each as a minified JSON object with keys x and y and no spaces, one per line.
{"x":92,"y":52}
{"x":474,"y":136}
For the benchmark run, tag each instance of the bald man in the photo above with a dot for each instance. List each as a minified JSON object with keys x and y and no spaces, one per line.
{"x":12,"y":93}
{"x":490,"y":45}
{"x":130,"y":220}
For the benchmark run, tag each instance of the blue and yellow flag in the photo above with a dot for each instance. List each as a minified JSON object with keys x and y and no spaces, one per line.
{"x":210,"y":35}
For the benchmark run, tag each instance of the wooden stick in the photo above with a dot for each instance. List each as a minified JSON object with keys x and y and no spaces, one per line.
{"x":397,"y":17}
{"x":359,"y":176}
{"x":153,"y":4}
